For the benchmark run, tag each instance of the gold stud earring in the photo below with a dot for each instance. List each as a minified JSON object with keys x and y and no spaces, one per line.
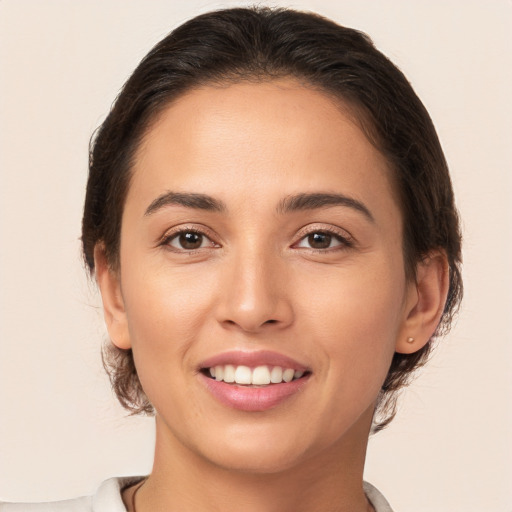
{"x":410,"y":340}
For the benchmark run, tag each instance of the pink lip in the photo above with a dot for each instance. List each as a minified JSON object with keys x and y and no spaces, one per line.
{"x":253,"y":359}
{"x":253,"y":399}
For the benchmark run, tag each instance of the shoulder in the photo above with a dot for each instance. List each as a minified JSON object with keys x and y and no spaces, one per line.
{"x":106,"y":499}
{"x":380,"y":504}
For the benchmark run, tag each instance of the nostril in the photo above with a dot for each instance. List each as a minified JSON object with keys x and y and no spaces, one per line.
{"x":250,"y":326}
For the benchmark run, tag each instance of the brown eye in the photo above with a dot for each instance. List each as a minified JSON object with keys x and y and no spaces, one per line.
{"x":319,"y":240}
{"x":323,"y":240}
{"x":189,"y":241}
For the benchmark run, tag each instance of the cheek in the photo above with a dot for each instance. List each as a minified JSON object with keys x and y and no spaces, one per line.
{"x":366,"y":298}
{"x":354,"y":331}
{"x":355,"y":319}
{"x":166,"y":312}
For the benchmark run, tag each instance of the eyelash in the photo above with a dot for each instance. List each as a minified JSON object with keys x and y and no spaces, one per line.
{"x":169,"y":237}
{"x":345,"y":241}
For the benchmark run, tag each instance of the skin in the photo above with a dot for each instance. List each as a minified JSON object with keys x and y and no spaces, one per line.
{"x":256,"y":283}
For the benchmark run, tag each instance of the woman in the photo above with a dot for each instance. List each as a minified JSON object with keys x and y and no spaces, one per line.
{"x":271,"y":224}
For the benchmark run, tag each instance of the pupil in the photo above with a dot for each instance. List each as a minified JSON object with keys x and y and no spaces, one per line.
{"x":191,"y":240}
{"x":319,"y":240}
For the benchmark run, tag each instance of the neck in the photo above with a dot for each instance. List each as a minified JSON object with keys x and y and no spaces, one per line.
{"x":331,"y":481}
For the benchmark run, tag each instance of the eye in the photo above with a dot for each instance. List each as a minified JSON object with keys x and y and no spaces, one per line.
{"x":322,"y":240}
{"x":188,"y":240}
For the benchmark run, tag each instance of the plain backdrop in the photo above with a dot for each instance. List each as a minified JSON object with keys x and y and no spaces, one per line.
{"x":61,"y":65}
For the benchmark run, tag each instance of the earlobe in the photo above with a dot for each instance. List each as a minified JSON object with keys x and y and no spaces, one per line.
{"x":425,"y":303}
{"x":113,"y":303}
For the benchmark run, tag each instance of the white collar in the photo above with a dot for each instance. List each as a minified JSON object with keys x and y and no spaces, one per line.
{"x":108,"y":496}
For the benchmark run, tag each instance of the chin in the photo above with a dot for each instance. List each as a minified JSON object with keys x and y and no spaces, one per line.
{"x":258,"y":461}
{"x":264,"y":450}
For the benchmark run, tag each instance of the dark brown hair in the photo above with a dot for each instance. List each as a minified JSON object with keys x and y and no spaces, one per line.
{"x":261,"y":44}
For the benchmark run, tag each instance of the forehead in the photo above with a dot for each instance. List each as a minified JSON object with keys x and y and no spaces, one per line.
{"x":271,"y":137}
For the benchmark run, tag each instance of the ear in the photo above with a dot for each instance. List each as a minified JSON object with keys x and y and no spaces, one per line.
{"x":113,"y":303}
{"x":426,"y":298}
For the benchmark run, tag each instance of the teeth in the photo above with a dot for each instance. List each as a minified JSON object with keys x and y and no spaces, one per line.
{"x":276,"y":375}
{"x":219,"y":373}
{"x":288,"y":375}
{"x":243,"y":375}
{"x":229,"y":373}
{"x":259,"y":376}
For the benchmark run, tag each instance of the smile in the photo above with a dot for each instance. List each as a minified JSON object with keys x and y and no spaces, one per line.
{"x":253,"y":381}
{"x":260,"y":376}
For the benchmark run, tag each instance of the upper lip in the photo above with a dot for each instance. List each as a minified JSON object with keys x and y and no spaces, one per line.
{"x":253,"y":359}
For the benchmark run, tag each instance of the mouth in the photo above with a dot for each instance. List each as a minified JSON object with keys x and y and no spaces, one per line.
{"x":254,"y":381}
{"x":264,"y":375}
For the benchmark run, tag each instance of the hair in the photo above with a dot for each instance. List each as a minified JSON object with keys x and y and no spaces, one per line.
{"x":263,"y":44}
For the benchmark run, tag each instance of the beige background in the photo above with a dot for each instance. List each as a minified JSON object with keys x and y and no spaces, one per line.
{"x":61,"y":65}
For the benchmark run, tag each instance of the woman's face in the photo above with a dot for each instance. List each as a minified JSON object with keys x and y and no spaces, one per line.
{"x":261,"y":231}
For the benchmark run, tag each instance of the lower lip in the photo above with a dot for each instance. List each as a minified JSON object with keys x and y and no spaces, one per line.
{"x":253,"y":399}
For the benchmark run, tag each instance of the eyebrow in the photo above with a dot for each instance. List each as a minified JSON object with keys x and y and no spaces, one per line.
{"x":298,"y":202}
{"x":189,"y":200}
{"x":322,"y":200}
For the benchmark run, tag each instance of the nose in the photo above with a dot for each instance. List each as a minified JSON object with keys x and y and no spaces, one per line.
{"x":254,"y":296}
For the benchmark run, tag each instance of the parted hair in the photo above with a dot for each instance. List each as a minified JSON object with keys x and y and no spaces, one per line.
{"x":262,"y":44}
